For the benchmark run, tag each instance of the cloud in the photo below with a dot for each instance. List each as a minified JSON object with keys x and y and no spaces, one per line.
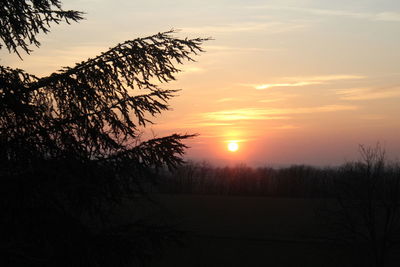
{"x":326,"y":78}
{"x":271,"y":27}
{"x":373,"y":117}
{"x":270,"y":97}
{"x":191,"y":70}
{"x":388,"y":16}
{"x":304,"y":81}
{"x":269,"y":114}
{"x":53,"y":58}
{"x":271,"y":100}
{"x":227,"y":99}
{"x":222,"y":48}
{"x":270,"y":85}
{"x":237,"y":140}
{"x":359,"y":94}
{"x":242,"y":114}
{"x":285,"y":127}
{"x":206,"y":124}
{"x":276,"y":96}
{"x":380,"y":16}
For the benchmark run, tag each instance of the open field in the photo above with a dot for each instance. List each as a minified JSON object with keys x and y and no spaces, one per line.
{"x":250,"y":231}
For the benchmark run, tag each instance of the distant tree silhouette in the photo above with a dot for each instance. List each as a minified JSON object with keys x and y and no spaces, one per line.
{"x":366,"y":212}
{"x":70,"y":146}
{"x":293,"y":181}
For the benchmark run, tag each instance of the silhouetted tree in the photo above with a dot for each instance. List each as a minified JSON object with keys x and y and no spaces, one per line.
{"x":21,"y":21}
{"x":366,"y":214}
{"x":70,"y":146}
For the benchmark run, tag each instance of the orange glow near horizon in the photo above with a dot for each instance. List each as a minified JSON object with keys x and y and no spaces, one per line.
{"x":269,"y":89}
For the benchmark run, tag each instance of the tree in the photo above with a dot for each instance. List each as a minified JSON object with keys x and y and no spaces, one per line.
{"x":70,"y":146}
{"x":366,"y":213}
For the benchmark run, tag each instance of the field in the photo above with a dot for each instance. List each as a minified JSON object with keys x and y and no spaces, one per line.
{"x":250,"y":231}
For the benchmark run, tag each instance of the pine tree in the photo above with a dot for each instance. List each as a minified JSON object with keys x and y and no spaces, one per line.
{"x":70,"y":146}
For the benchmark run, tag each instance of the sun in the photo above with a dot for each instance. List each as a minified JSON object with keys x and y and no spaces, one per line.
{"x":233,"y":146}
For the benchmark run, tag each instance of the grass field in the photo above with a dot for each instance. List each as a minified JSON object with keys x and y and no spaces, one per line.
{"x":250,"y":231}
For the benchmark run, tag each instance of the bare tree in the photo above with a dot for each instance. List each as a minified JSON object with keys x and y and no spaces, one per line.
{"x":366,"y":214}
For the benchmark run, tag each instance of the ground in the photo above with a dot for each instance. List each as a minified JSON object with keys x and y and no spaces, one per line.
{"x":250,"y":231}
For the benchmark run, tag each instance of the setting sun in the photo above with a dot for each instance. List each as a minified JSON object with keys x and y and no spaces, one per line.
{"x":233,"y":146}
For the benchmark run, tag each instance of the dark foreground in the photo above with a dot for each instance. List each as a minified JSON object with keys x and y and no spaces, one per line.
{"x":253,"y":231}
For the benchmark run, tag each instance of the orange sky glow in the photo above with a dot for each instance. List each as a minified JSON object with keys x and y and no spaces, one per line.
{"x":291,"y":82}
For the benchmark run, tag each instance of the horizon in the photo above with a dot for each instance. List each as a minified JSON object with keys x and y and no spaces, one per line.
{"x":291,"y":82}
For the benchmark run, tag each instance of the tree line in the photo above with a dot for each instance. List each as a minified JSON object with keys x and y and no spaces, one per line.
{"x":298,"y":181}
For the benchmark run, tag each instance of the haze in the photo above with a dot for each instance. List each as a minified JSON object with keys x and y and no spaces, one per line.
{"x":289,"y":81}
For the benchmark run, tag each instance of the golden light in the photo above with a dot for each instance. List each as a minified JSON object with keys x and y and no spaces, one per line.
{"x":233,"y":146}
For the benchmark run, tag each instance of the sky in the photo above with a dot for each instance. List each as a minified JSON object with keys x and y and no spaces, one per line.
{"x":292,"y":82}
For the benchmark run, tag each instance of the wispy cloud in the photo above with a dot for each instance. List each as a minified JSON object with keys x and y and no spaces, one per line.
{"x":285,"y":127}
{"x":206,"y":124}
{"x":373,"y":117}
{"x":242,"y":114}
{"x":270,"y":85}
{"x":272,"y":100}
{"x":359,"y":94}
{"x":388,"y":16}
{"x":379,"y":16}
{"x":54,"y":59}
{"x":271,"y":27}
{"x":191,"y":70}
{"x":304,"y":81}
{"x":227,"y":99}
{"x":269,"y":114}
{"x":223,"y":48}
{"x":276,"y":96}
{"x":327,"y":78}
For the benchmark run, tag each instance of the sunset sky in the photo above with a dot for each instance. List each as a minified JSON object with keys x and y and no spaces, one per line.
{"x":300,"y":81}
